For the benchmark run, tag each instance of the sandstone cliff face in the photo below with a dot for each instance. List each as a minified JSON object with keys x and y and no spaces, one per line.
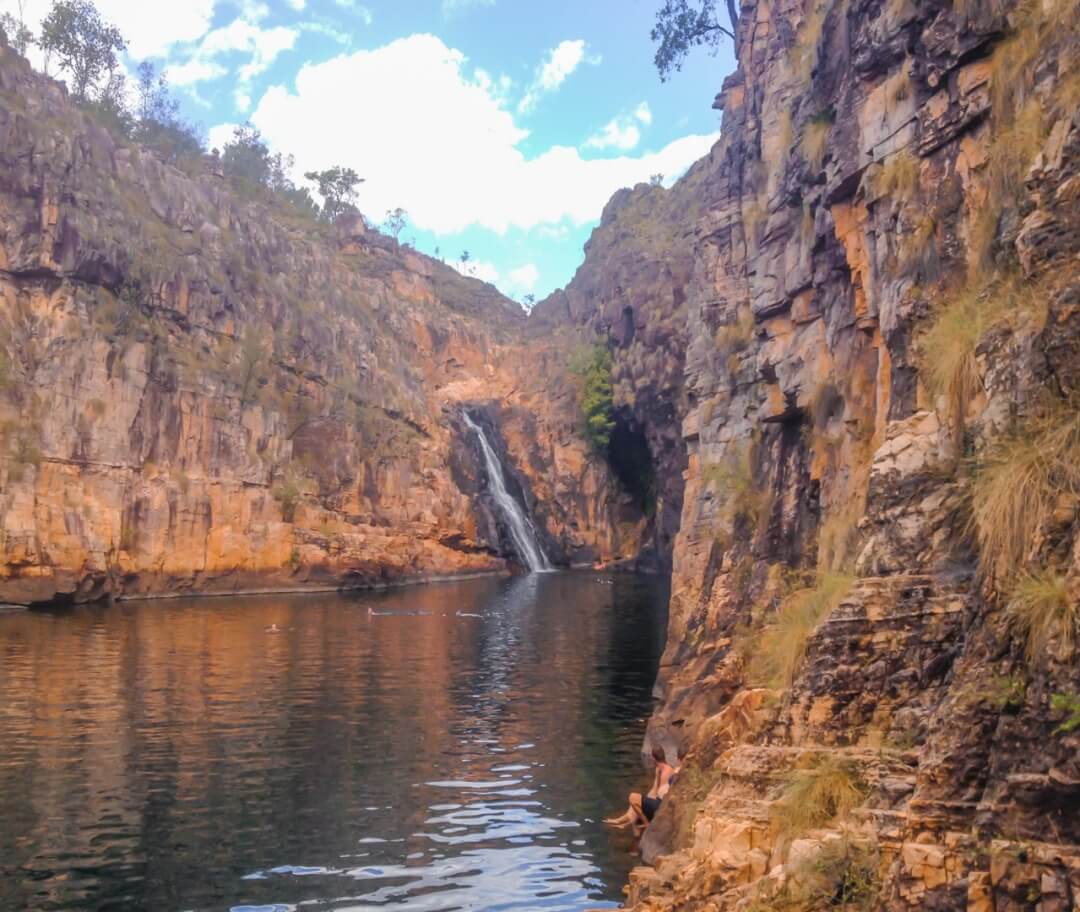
{"x":630,"y":295}
{"x":882,"y":328}
{"x":203,"y":392}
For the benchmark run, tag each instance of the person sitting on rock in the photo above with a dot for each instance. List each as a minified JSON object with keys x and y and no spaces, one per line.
{"x":643,"y":808}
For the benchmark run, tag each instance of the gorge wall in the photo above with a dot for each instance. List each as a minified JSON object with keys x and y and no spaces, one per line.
{"x":876,"y":578}
{"x":201,"y":391}
{"x":846,"y":345}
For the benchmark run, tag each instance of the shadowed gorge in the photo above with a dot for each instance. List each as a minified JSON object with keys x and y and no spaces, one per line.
{"x":826,"y":382}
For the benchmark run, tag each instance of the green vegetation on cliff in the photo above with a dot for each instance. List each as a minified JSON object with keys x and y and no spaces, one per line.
{"x":591,"y":365}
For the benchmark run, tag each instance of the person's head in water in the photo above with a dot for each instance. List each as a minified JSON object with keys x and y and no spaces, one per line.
{"x":658,"y":754}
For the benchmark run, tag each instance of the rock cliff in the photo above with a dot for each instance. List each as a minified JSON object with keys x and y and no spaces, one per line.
{"x":202,"y":391}
{"x":871,"y":649}
{"x":845,"y":358}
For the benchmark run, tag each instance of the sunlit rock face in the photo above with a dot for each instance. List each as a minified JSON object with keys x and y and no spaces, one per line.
{"x":895,"y":181}
{"x":201,"y":391}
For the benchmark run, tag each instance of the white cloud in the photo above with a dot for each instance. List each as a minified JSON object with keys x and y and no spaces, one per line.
{"x":326,"y":30}
{"x":263,"y":46}
{"x":151,"y":28}
{"x":561,"y":61}
{"x":477,"y":269}
{"x":297,"y":4}
{"x":618,"y":133}
{"x":621,"y":132}
{"x":524,"y":277}
{"x":193,"y":71}
{"x":217,"y":137}
{"x":253,"y":10}
{"x":441,"y":143}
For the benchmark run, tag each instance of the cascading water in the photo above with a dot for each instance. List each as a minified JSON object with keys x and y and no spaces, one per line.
{"x":517,"y":520}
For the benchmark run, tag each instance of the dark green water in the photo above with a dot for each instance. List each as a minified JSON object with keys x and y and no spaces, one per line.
{"x":444,"y":747}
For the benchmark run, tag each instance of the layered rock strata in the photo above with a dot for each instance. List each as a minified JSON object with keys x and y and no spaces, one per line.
{"x":882,"y":324}
{"x":202,"y":391}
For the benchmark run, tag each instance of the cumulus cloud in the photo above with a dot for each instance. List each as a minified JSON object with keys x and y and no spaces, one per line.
{"x":560,"y":62}
{"x":621,"y":132}
{"x":442,"y":143}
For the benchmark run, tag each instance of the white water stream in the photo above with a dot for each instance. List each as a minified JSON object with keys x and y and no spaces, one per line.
{"x":522,"y":531}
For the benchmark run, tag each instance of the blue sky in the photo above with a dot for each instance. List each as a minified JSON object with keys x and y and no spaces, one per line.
{"x":500,"y":126}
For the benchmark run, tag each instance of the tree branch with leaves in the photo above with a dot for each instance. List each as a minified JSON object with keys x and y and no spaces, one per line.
{"x":682,"y":25}
{"x":85,"y":45}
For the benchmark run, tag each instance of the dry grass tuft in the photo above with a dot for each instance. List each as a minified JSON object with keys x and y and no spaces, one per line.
{"x":804,"y":55}
{"x":754,"y":214}
{"x":898,"y":177}
{"x":838,"y":537}
{"x":737,"y":335}
{"x":737,"y":486}
{"x":1043,"y":614}
{"x":815,"y":135}
{"x":1017,"y":485}
{"x":917,"y":247}
{"x":779,"y":650}
{"x":825,"y":790}
{"x":948,"y":347}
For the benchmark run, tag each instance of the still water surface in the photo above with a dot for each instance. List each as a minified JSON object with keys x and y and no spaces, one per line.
{"x":445,"y":747}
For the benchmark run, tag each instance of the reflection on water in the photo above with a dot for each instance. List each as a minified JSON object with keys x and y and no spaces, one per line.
{"x":445,"y":747}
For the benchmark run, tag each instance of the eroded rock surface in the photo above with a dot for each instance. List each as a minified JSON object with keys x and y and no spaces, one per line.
{"x":875,"y":168}
{"x":204,"y":392}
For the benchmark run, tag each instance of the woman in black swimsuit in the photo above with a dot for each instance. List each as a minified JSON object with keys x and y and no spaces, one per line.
{"x":643,"y":808}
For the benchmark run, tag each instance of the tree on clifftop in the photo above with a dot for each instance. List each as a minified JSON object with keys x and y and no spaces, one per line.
{"x":395,"y":222}
{"x":337,"y":186}
{"x":16,"y":30}
{"x":681,"y":26}
{"x":85,"y":44}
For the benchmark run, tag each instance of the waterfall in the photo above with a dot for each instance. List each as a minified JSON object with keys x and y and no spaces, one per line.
{"x":522,"y":531}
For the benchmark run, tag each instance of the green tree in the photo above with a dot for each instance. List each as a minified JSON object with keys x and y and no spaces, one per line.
{"x":17,"y":33}
{"x":246,"y":159}
{"x":85,"y":44}
{"x":592,"y":366}
{"x":681,"y":26}
{"x":110,"y":106}
{"x":337,"y":186}
{"x":395,"y":222}
{"x":157,"y":113}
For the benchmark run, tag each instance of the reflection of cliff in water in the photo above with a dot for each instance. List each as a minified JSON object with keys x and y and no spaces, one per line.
{"x":150,"y":753}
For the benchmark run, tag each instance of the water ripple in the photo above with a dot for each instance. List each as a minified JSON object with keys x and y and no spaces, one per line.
{"x":452,"y":748}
